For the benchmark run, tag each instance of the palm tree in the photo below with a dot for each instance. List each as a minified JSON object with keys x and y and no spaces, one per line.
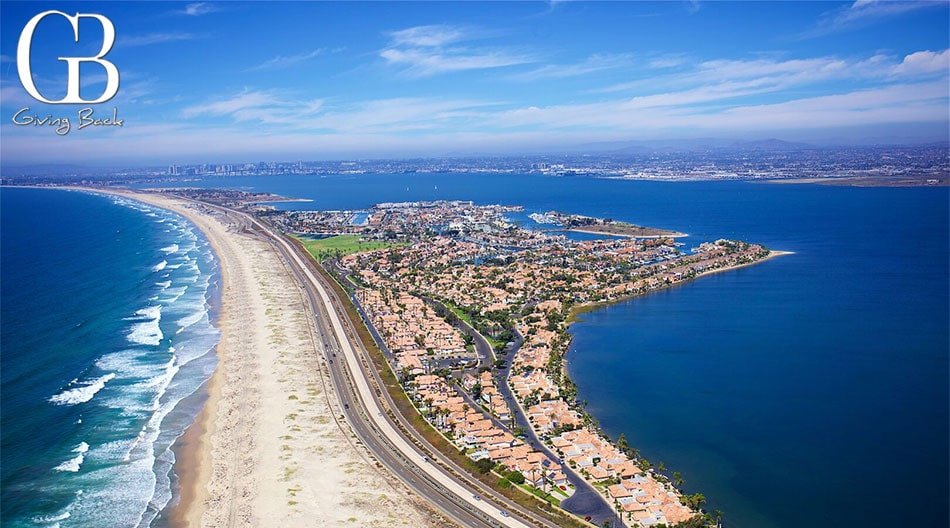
{"x":677,"y":479}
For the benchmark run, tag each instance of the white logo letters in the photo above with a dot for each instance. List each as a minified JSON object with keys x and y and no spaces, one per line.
{"x":72,"y":83}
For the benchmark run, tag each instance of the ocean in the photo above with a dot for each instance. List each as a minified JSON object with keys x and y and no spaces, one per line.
{"x":809,"y":390}
{"x":107,"y":338}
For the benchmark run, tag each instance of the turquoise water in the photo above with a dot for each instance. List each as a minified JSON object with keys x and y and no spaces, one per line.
{"x":106,"y":339}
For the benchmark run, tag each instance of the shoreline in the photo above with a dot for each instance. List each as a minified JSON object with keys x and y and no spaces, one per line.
{"x":573,"y":316}
{"x":193,"y":461}
{"x":192,"y":450}
{"x":580,"y":309}
{"x":673,"y":234}
{"x":263,"y":450}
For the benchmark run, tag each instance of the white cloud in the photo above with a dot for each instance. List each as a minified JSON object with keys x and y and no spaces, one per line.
{"x":428,"y":36}
{"x":666,"y":61}
{"x":429,"y":50}
{"x":594,"y":63}
{"x":12,"y":94}
{"x":901,"y":103}
{"x":379,"y":115}
{"x":399,"y":114}
{"x":262,"y":106}
{"x":428,"y":62}
{"x":154,"y":38}
{"x":864,"y":12}
{"x":924,"y":62}
{"x":198,"y":9}
{"x":286,"y":61}
{"x":774,"y":75}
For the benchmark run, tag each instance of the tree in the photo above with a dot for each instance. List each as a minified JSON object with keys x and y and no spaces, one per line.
{"x":677,"y":479}
{"x":622,"y":444}
{"x":484,"y":465}
{"x":695,"y":500}
{"x":516,"y":476}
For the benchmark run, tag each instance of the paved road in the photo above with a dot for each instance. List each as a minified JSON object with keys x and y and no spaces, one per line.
{"x":424,"y":470}
{"x":585,"y":501}
{"x":485,"y":352}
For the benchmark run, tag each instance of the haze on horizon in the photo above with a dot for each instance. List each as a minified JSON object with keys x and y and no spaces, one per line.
{"x":251,"y":81}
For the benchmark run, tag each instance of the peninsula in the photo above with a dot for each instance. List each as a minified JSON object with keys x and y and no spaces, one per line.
{"x":469,"y":312}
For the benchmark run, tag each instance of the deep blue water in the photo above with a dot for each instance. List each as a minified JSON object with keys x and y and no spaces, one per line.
{"x":105,"y":332}
{"x":810,"y":390}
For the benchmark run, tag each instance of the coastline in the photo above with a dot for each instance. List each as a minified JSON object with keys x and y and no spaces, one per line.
{"x":193,"y":464}
{"x":673,"y":234}
{"x":264,"y":449}
{"x":193,"y":461}
{"x":579,"y":309}
{"x":573,"y":316}
{"x":196,"y":468}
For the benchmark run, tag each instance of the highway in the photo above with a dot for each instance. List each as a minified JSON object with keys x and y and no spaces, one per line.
{"x":386,"y":434}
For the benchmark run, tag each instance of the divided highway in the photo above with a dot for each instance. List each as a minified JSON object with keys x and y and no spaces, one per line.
{"x":432,"y":476}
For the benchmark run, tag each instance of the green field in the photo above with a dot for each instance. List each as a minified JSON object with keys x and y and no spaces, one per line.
{"x":339,"y":245}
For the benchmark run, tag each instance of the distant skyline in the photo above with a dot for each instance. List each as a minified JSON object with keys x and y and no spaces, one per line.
{"x":242,"y":82}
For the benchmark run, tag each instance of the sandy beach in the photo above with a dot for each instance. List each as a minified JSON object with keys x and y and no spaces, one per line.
{"x":772,"y":254}
{"x":270,"y":447}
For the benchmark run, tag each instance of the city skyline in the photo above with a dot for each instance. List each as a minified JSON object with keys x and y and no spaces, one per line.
{"x":206,"y":81}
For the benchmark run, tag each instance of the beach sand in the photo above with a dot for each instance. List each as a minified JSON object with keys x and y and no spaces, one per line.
{"x":270,"y":447}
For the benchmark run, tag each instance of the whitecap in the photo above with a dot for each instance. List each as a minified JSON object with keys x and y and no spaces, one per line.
{"x":189,"y":320}
{"x":72,"y":465}
{"x":52,"y":520}
{"x":175,"y":294}
{"x":83,"y":393}
{"x":170,"y":249}
{"x":160,"y":266}
{"x":148,"y":331}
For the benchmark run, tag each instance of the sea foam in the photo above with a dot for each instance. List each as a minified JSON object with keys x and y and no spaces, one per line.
{"x":147,"y":332}
{"x":83,"y":393}
{"x":72,"y":465}
{"x":160,"y":266}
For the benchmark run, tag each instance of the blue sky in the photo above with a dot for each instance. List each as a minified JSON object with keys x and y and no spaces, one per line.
{"x":281,"y":81}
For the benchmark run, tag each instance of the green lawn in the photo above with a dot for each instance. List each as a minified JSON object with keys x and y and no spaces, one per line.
{"x":341,"y":245}
{"x":467,"y":317}
{"x":541,"y":495}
